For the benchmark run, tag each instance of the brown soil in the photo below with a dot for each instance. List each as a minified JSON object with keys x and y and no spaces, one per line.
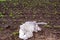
{"x":46,"y":13}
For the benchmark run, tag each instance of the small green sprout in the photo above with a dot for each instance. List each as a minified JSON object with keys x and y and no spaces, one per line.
{"x":1,"y":15}
{"x":25,"y":4}
{"x":15,"y":33}
{"x":11,"y":14}
{"x":47,"y":26}
{"x":1,"y":29}
{"x":15,"y":3}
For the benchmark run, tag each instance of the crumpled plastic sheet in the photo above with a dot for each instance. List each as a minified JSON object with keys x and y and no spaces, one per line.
{"x":26,"y":29}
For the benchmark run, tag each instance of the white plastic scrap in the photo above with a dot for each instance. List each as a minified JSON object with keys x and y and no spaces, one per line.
{"x":27,"y":29}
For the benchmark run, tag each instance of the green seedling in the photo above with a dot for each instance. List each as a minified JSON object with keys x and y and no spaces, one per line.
{"x":15,"y":3}
{"x":11,"y":15}
{"x":25,"y":4}
{"x":1,"y":15}
{"x":47,"y":26}
{"x":1,"y":29}
{"x":15,"y":33}
{"x":5,"y":7}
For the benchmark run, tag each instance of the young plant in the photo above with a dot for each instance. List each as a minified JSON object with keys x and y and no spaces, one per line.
{"x":1,"y":29}
{"x":15,"y":3}
{"x":47,"y":26}
{"x":15,"y":33}
{"x":11,"y":14}
{"x":1,"y":15}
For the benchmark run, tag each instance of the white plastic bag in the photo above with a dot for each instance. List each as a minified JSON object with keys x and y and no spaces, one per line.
{"x":27,"y":29}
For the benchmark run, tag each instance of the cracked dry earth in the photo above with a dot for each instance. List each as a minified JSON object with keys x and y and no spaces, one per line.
{"x":46,"y":13}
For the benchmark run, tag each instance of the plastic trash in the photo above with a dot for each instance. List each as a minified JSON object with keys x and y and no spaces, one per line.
{"x":26,"y":30}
